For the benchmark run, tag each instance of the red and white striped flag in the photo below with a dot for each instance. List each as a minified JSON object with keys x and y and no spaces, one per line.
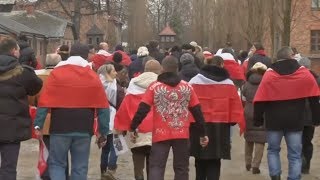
{"x":43,"y":159}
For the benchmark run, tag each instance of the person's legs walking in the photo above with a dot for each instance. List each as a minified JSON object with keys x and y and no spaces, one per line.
{"x":138,"y":162}
{"x":9,"y":159}
{"x":104,"y":159}
{"x":294,"y":146}
{"x":248,"y":148}
{"x":200,"y":169}
{"x":113,"y":158}
{"x":80,"y":151}
{"x":59,"y":148}
{"x":180,"y":148}
{"x":274,"y":140}
{"x":158,"y":159}
{"x":258,"y":154}
{"x":147,"y":153}
{"x":307,"y":148}
{"x":213,"y":169}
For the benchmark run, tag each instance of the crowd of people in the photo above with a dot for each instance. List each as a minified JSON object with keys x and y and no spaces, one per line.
{"x":186,"y":98}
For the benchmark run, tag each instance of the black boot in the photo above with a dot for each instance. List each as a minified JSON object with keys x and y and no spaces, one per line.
{"x":276,"y":177}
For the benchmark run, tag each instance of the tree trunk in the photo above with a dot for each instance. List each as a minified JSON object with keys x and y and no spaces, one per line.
{"x":287,"y":23}
{"x":76,"y":19}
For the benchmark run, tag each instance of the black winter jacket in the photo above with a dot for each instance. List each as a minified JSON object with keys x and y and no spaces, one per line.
{"x":16,"y":82}
{"x":188,"y":71}
{"x":286,"y":115}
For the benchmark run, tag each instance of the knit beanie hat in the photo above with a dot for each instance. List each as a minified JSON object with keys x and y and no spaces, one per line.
{"x":259,"y":65}
{"x":186,"y":58}
{"x":79,"y":49}
{"x":143,"y":51}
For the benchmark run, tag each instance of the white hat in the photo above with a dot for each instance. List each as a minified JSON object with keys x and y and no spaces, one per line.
{"x":143,"y":51}
{"x":259,"y":65}
{"x":193,"y":43}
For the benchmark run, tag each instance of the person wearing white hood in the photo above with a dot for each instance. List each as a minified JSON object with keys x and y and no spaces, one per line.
{"x":140,"y":146}
{"x":115,"y":95}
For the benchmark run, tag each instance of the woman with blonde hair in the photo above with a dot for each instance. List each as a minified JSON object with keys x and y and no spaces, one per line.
{"x":115,"y":94}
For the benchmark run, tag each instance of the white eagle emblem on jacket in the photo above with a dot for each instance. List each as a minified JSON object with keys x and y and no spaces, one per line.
{"x":173,"y":104}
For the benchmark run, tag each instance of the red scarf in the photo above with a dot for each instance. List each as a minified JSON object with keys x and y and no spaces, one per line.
{"x":276,"y":87}
{"x":72,"y":86}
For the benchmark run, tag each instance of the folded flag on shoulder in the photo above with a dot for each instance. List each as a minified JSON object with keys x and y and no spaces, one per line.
{"x":300,"y":84}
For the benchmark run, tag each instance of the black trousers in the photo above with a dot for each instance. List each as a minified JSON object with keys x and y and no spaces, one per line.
{"x":208,"y":169}
{"x":159,"y":156}
{"x":9,"y":159}
{"x":140,"y":156}
{"x":307,"y":146}
{"x":46,"y":176}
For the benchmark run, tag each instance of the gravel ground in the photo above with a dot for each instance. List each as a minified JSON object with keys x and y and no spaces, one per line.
{"x":233,"y":169}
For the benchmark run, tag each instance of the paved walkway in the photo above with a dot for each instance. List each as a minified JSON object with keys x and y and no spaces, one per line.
{"x":231,"y":170}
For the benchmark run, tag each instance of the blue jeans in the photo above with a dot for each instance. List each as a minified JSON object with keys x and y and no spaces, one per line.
{"x":79,"y":147}
{"x":108,"y":156}
{"x":294,"y":146}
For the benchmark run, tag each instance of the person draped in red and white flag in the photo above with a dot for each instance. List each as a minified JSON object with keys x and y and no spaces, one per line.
{"x":73,"y":93}
{"x":233,"y":67}
{"x":142,"y":144}
{"x":172,"y":101}
{"x":280,"y":104}
{"x":221,"y":108}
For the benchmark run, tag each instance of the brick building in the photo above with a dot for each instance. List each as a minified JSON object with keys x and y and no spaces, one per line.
{"x":109,"y":27}
{"x":305,"y":31}
{"x":305,"y":35}
{"x":44,"y":31}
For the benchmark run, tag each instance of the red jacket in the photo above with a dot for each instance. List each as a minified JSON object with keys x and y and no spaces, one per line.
{"x":170,"y":109}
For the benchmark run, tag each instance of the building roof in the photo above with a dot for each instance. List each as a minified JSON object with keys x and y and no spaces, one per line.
{"x":46,"y":24}
{"x":5,"y":2}
{"x":9,"y":25}
{"x":95,"y":30}
{"x":167,"y":31}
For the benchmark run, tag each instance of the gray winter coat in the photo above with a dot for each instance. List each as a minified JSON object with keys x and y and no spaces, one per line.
{"x":253,"y":133}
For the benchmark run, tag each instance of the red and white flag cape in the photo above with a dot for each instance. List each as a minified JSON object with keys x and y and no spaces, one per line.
{"x":232,"y":66}
{"x":276,"y":87}
{"x":219,"y":101}
{"x":73,"y":86}
{"x":129,"y":107}
{"x":43,"y":160}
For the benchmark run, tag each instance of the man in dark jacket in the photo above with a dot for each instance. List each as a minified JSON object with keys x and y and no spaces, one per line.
{"x":17,"y":82}
{"x":188,"y":68}
{"x":72,"y":114}
{"x":308,"y":130}
{"x":280,"y":101}
{"x":259,"y":55}
{"x":27,"y":55}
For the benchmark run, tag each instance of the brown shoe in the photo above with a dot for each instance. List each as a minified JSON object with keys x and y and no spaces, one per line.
{"x":256,"y":170}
